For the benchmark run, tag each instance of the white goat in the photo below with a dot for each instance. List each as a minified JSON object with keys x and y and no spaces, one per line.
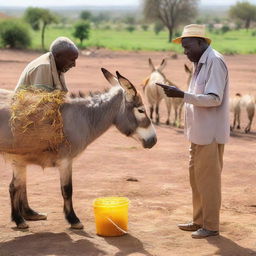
{"x":235,"y":107}
{"x":246,"y":102}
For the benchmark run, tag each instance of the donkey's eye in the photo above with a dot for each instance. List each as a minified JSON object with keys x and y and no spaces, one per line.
{"x":141,"y":110}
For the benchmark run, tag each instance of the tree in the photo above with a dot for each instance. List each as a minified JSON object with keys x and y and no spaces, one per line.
{"x":85,"y":15}
{"x":158,"y":27}
{"x":14,"y":34}
{"x":39,"y":18}
{"x":243,"y":11}
{"x":82,"y":29}
{"x":171,"y":13}
{"x":130,"y":20}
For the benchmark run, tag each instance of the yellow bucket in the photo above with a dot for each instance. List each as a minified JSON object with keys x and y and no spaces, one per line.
{"x":111,"y":215}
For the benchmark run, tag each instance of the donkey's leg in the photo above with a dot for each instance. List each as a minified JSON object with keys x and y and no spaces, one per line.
{"x":19,"y":170}
{"x":151,"y":111}
{"x":27,"y":212}
{"x":157,"y":113}
{"x":175,"y":122}
{"x":238,"y":120}
{"x":180,"y":113}
{"x":16,"y":189}
{"x":168,"y":103}
{"x":65,"y":168}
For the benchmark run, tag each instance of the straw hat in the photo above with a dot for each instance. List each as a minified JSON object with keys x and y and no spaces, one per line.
{"x":192,"y":30}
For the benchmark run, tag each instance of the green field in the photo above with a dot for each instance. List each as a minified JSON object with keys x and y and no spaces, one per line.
{"x":232,"y":42}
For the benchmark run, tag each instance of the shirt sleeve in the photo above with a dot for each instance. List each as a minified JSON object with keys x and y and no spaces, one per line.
{"x":202,"y":100}
{"x":217,"y":78}
{"x":41,"y":77}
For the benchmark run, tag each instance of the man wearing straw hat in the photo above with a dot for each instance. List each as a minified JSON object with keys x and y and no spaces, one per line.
{"x":206,"y":127}
{"x":47,"y":71}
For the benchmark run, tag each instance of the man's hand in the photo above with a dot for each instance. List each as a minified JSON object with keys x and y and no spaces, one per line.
{"x":172,"y":91}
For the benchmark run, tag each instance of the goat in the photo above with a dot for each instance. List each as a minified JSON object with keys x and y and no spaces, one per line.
{"x":248,"y":102}
{"x":235,"y":107}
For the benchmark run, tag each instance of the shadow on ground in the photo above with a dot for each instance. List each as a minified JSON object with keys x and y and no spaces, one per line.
{"x":227,"y":247}
{"x":59,"y":244}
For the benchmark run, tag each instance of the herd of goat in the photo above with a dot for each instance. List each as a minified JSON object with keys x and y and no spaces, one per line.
{"x":155,"y":94}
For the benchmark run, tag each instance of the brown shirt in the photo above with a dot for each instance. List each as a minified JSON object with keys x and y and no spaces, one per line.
{"x":42,"y":73}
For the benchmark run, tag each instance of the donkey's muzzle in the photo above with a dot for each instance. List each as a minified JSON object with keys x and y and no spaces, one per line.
{"x":150,"y":142}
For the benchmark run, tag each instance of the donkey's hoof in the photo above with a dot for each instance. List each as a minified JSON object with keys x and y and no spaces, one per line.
{"x":22,"y":225}
{"x":36,"y":216}
{"x":78,"y":225}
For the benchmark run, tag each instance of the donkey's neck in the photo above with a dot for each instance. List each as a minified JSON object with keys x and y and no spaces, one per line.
{"x":85,"y":119}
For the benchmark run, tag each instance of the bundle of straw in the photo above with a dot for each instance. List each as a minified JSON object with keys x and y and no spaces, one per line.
{"x":36,"y":120}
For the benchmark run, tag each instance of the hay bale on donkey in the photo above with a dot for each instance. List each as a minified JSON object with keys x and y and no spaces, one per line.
{"x":36,"y":120}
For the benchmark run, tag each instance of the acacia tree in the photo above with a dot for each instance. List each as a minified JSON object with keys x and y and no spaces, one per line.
{"x":243,"y":11}
{"x":82,"y":29}
{"x":171,"y":13}
{"x":39,"y":18}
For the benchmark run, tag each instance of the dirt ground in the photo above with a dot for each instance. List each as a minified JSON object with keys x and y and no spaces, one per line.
{"x":159,"y":200}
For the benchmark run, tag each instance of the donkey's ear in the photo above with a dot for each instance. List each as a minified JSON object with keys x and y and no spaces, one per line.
{"x":151,"y":65}
{"x":127,"y":86}
{"x":162,"y":65}
{"x":110,"y":77}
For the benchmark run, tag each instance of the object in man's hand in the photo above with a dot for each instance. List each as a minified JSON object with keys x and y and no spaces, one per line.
{"x":164,"y":86}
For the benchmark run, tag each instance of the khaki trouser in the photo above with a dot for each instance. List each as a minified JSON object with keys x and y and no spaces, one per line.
{"x":205,"y":166}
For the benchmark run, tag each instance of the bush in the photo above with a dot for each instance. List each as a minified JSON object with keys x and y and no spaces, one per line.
{"x":130,"y":28}
{"x":14,"y":34}
{"x":158,"y":27}
{"x":144,"y":27}
{"x":225,"y":29}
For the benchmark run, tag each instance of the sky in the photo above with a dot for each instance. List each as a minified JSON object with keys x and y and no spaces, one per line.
{"x":40,"y":3}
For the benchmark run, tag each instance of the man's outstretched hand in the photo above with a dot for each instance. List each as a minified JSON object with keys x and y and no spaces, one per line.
{"x":172,"y":91}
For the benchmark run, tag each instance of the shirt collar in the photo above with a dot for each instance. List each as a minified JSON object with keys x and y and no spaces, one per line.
{"x":205,"y":55}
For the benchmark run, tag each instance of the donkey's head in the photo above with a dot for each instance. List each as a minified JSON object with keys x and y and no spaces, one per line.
{"x":157,"y":74}
{"x":132,"y":119}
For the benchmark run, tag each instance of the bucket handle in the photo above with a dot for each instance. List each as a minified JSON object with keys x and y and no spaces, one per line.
{"x":120,"y":229}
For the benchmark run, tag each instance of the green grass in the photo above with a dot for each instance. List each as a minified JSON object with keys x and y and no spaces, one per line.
{"x":232,"y":42}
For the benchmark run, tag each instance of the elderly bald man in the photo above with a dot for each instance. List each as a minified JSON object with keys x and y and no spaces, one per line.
{"x":47,"y":71}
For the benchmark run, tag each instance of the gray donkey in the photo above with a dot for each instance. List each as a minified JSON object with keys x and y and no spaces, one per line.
{"x":84,"y":119}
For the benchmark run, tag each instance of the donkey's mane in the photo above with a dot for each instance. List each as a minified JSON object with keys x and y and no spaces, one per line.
{"x":94,"y":99}
{"x":83,"y":95}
